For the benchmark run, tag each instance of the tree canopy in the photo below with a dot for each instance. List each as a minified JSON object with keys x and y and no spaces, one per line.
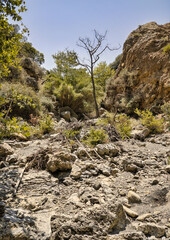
{"x":10,"y":43}
{"x":28,"y":50}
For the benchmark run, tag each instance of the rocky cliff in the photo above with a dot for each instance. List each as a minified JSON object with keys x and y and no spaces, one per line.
{"x":143,"y":77}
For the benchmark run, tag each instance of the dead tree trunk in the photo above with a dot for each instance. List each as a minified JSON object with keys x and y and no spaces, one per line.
{"x":94,"y":49}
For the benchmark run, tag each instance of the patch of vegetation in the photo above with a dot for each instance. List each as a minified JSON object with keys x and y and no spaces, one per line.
{"x":166,"y":109}
{"x":67,"y":96}
{"x":108,"y":119}
{"x":121,"y":122}
{"x":10,"y":39}
{"x":18,"y":100}
{"x":150,"y":121}
{"x":11,"y":126}
{"x":123,"y":125}
{"x":46,"y":124}
{"x":166,"y":49}
{"x":96,"y":136}
{"x":71,"y":134}
{"x":15,"y":125}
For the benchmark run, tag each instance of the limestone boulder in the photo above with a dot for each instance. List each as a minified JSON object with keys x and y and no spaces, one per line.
{"x":5,"y":150}
{"x":61,"y":161}
{"x":107,"y":149}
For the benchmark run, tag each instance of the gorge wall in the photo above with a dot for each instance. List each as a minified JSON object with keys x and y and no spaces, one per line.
{"x":142,"y":79}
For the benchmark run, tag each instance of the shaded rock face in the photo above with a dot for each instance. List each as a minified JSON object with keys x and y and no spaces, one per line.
{"x":32,"y":72}
{"x":143,"y":77}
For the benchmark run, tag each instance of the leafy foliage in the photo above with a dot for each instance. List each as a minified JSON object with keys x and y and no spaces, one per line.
{"x":123,"y":125}
{"x":78,"y":80}
{"x":15,"y":125}
{"x":18,"y":100}
{"x":150,"y":121}
{"x":28,"y":50}
{"x":108,"y":119}
{"x":102,"y":73}
{"x":46,"y":124}
{"x":166,"y":49}
{"x":96,"y":136}
{"x":71,"y":134}
{"x":121,"y":122}
{"x":9,"y":126}
{"x":67,"y":96}
{"x":9,"y":46}
{"x":10,"y":43}
{"x":12,"y":8}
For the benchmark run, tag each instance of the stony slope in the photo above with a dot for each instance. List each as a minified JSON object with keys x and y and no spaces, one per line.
{"x":143,"y":77}
{"x":121,"y":191}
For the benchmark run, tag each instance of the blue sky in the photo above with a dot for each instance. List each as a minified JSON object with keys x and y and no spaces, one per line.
{"x":57,"y":24}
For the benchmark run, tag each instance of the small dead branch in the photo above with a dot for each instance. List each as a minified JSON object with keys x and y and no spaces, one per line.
{"x":97,"y":154}
{"x":84,"y":149}
{"x":19,"y":181}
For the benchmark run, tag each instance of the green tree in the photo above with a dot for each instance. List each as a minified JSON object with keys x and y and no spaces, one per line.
{"x":102,"y":73}
{"x":12,"y":8}
{"x":10,"y":43}
{"x":67,"y":71}
{"x":67,"y":79}
{"x":28,"y":50}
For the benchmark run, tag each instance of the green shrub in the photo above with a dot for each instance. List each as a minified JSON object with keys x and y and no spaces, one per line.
{"x":46,"y":125}
{"x":108,"y":119}
{"x":18,"y":100}
{"x":123,"y":125}
{"x":95,"y":136}
{"x":10,"y":126}
{"x":166,"y":49}
{"x":71,"y":134}
{"x":67,"y":96}
{"x":47,"y":104}
{"x":102,"y":121}
{"x":121,"y":122}
{"x":150,"y":121}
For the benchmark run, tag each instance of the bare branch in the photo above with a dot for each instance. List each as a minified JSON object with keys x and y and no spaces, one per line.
{"x":94,"y":49}
{"x":84,"y":65}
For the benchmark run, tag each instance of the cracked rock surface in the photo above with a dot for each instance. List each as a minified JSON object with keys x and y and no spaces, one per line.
{"x":122,"y":191}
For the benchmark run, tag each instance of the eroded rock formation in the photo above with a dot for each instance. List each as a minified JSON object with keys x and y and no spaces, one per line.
{"x":143,"y":77}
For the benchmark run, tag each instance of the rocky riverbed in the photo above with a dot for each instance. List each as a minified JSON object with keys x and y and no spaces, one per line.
{"x":51,"y":189}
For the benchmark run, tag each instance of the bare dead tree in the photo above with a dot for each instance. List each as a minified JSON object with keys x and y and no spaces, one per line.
{"x":94,"y":49}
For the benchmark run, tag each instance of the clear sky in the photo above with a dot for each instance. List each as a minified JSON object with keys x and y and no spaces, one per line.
{"x":57,"y":24}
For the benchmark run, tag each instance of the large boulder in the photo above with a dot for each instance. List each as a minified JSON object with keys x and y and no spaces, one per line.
{"x":142,"y":79}
{"x":61,"y":161}
{"x":107,"y":149}
{"x":5,"y":150}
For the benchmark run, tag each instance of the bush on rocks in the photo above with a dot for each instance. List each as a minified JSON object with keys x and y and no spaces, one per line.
{"x":150,"y":121}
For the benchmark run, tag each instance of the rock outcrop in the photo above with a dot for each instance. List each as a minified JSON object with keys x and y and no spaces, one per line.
{"x":143,"y":77}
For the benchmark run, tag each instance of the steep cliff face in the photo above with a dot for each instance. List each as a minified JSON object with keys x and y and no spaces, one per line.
{"x":143,"y":77}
